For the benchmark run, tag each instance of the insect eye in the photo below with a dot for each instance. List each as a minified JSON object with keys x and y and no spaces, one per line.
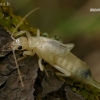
{"x":20,"y":47}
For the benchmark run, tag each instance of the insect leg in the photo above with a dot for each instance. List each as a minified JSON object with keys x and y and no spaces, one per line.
{"x":64,"y":71}
{"x":40,"y":64}
{"x":30,"y":53}
{"x":27,"y":33}
{"x":23,"y":32}
{"x":60,"y":74}
{"x":25,"y":53}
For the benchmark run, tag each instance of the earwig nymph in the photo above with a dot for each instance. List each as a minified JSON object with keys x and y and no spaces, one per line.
{"x":57,"y":54}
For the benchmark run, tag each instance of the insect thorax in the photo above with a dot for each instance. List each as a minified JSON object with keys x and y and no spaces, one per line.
{"x":34,"y":42}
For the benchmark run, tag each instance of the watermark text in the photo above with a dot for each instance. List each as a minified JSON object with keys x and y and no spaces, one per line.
{"x":94,"y":9}
{"x":4,"y":3}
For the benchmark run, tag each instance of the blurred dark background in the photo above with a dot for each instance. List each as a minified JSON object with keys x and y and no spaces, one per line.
{"x":71,"y":20}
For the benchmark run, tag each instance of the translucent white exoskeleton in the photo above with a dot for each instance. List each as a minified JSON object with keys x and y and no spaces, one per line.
{"x":56,"y":54}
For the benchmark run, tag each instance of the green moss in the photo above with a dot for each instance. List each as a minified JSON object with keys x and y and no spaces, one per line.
{"x":10,"y":21}
{"x":87,"y":91}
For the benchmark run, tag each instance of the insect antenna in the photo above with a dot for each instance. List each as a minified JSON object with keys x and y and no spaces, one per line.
{"x":22,"y":21}
{"x":19,"y":73}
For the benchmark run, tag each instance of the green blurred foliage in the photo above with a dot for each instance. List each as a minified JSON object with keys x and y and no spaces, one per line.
{"x":88,"y":25}
{"x":61,"y":18}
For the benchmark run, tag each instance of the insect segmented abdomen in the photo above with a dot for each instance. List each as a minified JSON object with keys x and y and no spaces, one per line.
{"x":71,"y":63}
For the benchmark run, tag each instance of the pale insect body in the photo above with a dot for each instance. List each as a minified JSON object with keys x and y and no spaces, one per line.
{"x":50,"y":46}
{"x":44,"y":47}
{"x":56,"y":54}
